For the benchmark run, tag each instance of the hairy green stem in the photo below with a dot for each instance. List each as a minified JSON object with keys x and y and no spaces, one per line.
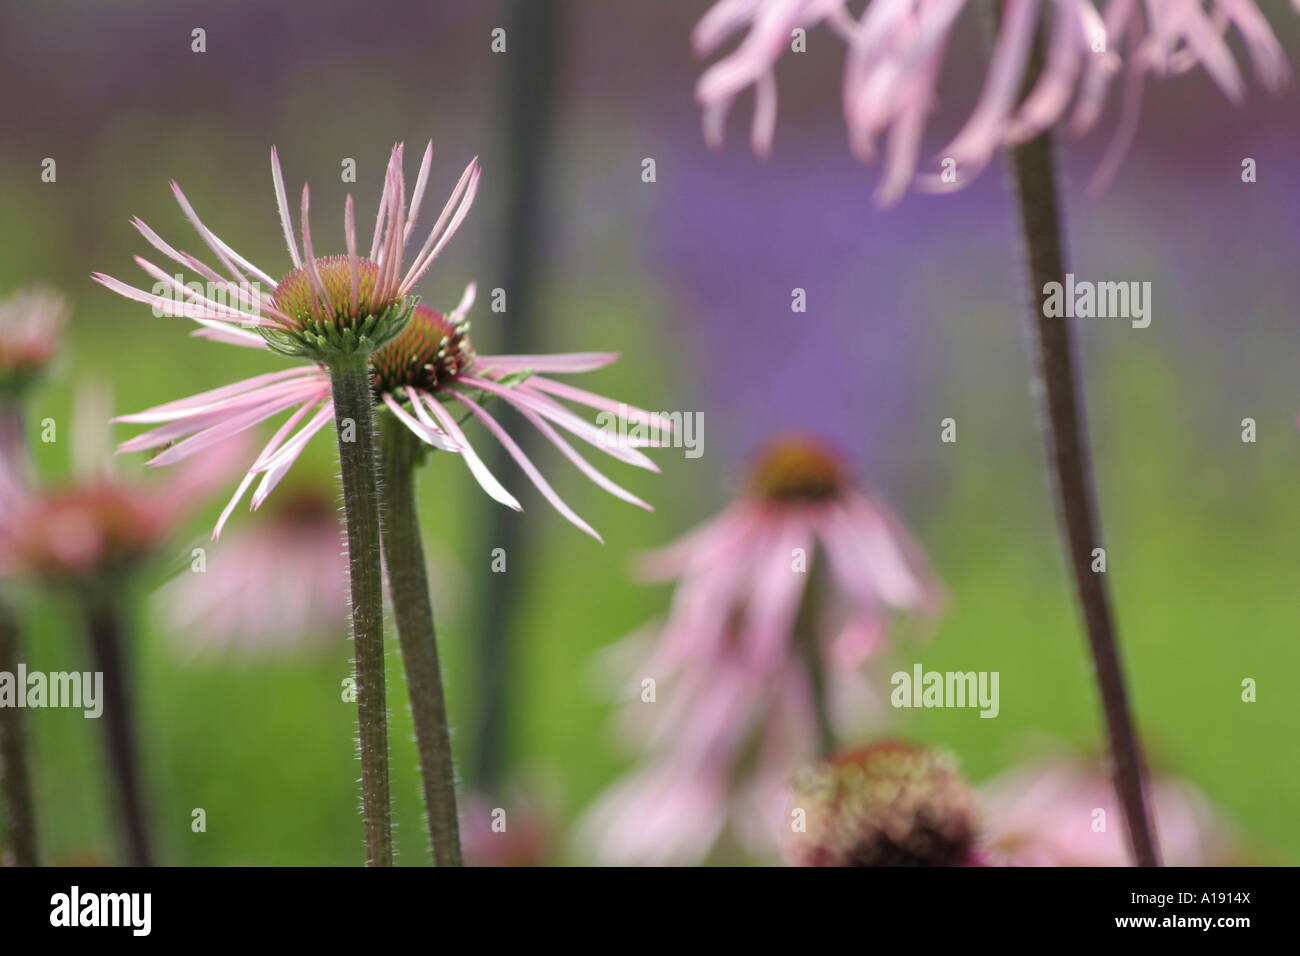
{"x":15,"y":776}
{"x":106,"y":634}
{"x":408,"y":583}
{"x":354,"y":423}
{"x":1034,"y":184}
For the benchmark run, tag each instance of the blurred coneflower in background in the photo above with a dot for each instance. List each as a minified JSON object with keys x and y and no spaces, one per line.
{"x":1061,"y":811}
{"x":779,"y":602}
{"x":91,"y":539}
{"x":896,"y":51}
{"x":272,"y":587}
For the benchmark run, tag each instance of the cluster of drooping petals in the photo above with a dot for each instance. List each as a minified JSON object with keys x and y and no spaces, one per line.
{"x":896,"y":51}
{"x":265,"y":589}
{"x":323,"y":305}
{"x":735,"y":711}
{"x":770,"y":26}
{"x":887,"y":804}
{"x":31,"y":322}
{"x":1063,"y":812}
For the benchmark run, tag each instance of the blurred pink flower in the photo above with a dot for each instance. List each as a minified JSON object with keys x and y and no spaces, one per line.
{"x":1062,"y":812}
{"x":735,"y":710}
{"x":417,"y":375}
{"x":273,"y":587}
{"x":99,"y":522}
{"x":31,"y":326}
{"x":512,"y":832}
{"x":896,"y":53}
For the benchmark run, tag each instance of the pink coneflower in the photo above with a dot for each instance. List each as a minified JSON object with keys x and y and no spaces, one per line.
{"x":264,"y":589}
{"x":779,"y":601}
{"x":1063,"y":812}
{"x":100,"y":523}
{"x":420,"y":377}
{"x":896,"y":52}
{"x":31,"y":324}
{"x":324,"y":305}
{"x":89,"y":537}
{"x":430,"y":364}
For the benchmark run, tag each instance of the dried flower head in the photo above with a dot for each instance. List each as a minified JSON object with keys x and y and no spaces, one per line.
{"x":888,"y":804}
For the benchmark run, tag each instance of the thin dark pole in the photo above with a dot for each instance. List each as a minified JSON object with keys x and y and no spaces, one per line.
{"x":15,"y":771}
{"x":529,"y":101}
{"x":107,"y":637}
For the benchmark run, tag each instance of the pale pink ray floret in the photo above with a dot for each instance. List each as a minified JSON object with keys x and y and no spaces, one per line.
{"x":896,"y":53}
{"x":418,"y":375}
{"x":735,"y":713}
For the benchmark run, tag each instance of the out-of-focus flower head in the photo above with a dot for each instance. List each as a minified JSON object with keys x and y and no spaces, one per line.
{"x":896,"y":52}
{"x":888,"y":804}
{"x":98,"y":524}
{"x":274,"y":586}
{"x":31,"y":325}
{"x":789,"y":588}
{"x":517,"y":831}
{"x":742,"y":576}
{"x":1062,"y":812}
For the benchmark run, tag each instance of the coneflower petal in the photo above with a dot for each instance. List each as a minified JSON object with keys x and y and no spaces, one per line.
{"x":529,"y":469}
{"x":486,"y":480}
{"x":282,"y":204}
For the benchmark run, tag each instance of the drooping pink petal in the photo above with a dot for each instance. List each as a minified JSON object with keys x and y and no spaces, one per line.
{"x":529,"y":469}
{"x":486,"y":480}
{"x":557,"y":363}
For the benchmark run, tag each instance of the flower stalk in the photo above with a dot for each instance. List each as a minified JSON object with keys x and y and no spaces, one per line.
{"x":1033,"y":181}
{"x":106,"y":634}
{"x":354,"y":422}
{"x":808,"y":645}
{"x":15,"y":776}
{"x":408,"y":583}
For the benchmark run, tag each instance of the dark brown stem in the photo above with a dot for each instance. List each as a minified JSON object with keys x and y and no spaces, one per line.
{"x":1033,"y":182}
{"x":106,"y":635}
{"x":15,"y":779}
{"x":808,"y":645}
